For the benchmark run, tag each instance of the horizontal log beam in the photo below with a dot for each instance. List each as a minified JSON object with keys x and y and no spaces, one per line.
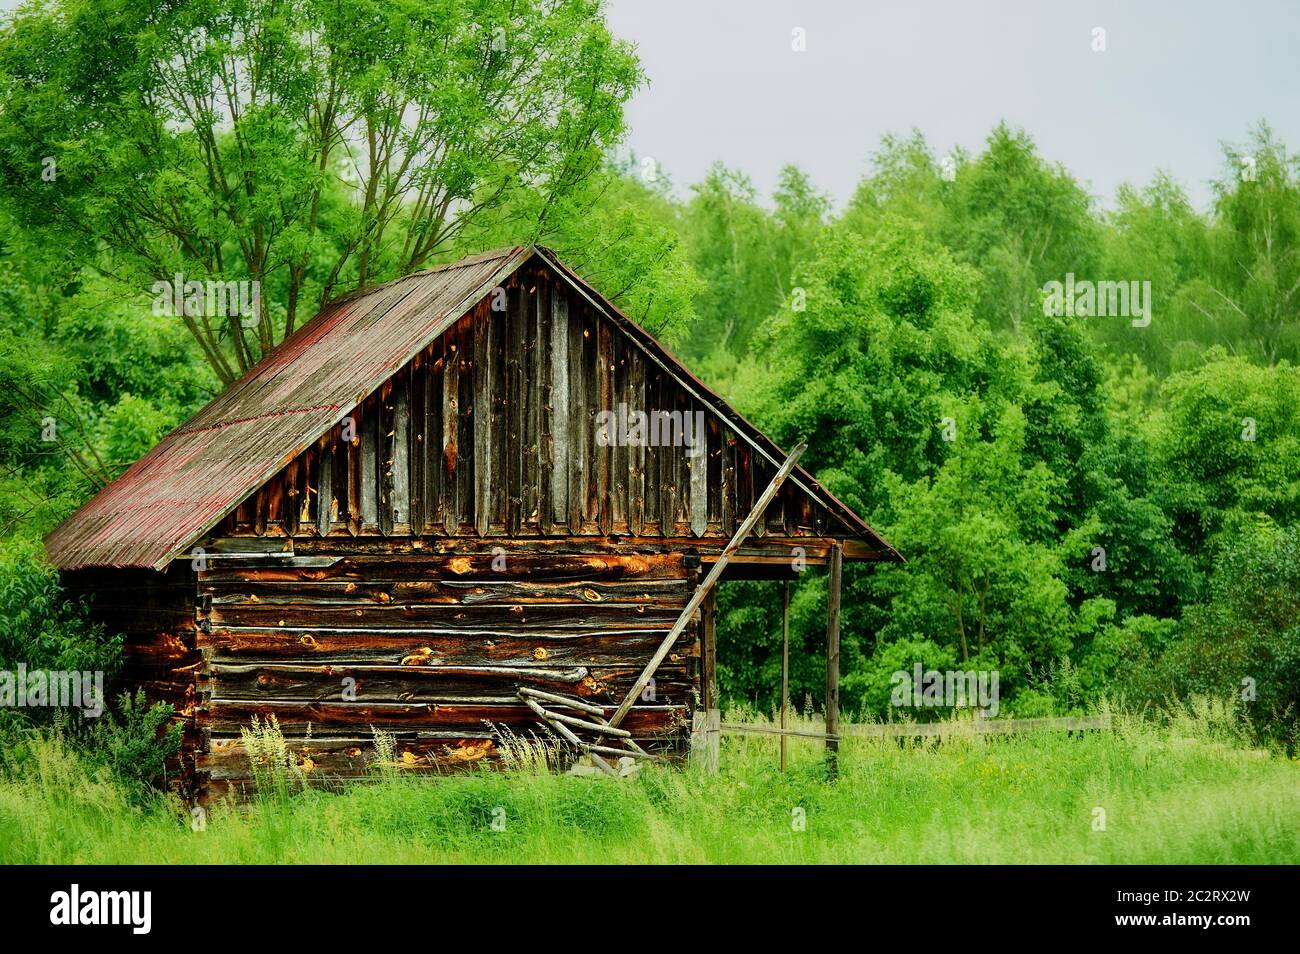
{"x":387,"y":561}
{"x":427,"y":647}
{"x":225,"y":716}
{"x":313,"y":681}
{"x":517,"y":618}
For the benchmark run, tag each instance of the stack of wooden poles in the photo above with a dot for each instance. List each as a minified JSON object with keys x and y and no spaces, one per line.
{"x":595,"y":723}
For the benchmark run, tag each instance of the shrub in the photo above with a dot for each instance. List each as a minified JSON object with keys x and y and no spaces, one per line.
{"x":1245,"y":639}
{"x":41,"y":628}
{"x":138,"y":746}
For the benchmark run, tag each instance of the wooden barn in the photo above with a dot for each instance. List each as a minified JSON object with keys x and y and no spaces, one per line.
{"x":475,"y":499}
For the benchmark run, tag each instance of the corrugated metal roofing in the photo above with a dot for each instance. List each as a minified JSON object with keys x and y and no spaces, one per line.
{"x":171,"y":497}
{"x":198,"y":473}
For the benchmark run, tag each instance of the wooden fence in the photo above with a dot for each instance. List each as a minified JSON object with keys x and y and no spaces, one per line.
{"x":709,"y":728}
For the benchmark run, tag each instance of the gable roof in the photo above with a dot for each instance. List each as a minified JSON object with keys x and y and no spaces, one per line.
{"x":174,"y":495}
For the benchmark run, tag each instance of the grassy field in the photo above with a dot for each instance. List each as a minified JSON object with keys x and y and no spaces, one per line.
{"x":1183,"y":791}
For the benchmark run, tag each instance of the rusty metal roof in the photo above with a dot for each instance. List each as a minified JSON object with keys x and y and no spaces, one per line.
{"x":170,"y":498}
{"x":201,"y":471}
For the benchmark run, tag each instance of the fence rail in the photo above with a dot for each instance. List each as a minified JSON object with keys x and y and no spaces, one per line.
{"x":895,"y":730}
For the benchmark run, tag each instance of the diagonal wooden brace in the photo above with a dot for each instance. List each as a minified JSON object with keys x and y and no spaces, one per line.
{"x":701,"y":591}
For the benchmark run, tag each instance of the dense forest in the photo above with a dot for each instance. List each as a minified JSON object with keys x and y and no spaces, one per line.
{"x":1093,"y":506}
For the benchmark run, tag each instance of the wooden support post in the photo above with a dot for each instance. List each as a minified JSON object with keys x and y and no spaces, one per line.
{"x":713,"y":727}
{"x":706,"y":739}
{"x":703,"y":590}
{"x":709,"y":650}
{"x":785,"y":662}
{"x":712,"y":707}
{"x":833,"y":659}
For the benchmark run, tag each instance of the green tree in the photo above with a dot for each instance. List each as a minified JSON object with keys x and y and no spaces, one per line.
{"x":745,"y":254}
{"x":1254,"y":282}
{"x":619,"y":232}
{"x":1244,"y":641}
{"x":310,"y":146}
{"x":1229,"y":447}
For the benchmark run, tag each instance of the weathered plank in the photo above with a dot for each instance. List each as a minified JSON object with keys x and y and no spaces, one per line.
{"x":560,"y":424}
{"x":370,"y":465}
{"x":543,"y":565}
{"x":605,"y":382}
{"x":519,"y":617}
{"x":451,"y":438}
{"x":536,"y":648}
{"x":387,"y":449}
{"x":698,"y":462}
{"x":465,"y":421}
{"x":400,"y":467}
{"x":515,"y":407}
{"x":303,"y":682}
{"x":338,"y":718}
{"x":485,"y":373}
{"x":636,"y":454}
{"x":467,"y":592}
{"x":324,"y":486}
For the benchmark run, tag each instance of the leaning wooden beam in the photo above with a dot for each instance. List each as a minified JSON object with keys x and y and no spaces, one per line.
{"x":628,"y":741}
{"x":596,"y":712}
{"x":756,"y":514}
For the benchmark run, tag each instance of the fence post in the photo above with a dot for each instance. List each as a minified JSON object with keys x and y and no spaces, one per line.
{"x":785,"y":661}
{"x":833,"y":660}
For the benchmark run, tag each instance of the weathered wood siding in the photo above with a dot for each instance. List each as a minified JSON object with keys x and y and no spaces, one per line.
{"x":492,"y":431}
{"x":431,"y":648}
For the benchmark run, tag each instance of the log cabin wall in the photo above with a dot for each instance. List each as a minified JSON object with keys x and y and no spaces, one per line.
{"x":432,"y":648}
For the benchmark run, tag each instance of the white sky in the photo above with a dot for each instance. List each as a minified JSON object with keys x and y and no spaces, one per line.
{"x":1176,"y":79}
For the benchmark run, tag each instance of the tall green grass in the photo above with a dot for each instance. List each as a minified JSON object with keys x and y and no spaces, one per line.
{"x":1180,"y":789}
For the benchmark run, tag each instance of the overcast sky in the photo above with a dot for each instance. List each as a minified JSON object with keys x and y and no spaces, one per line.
{"x":1177,"y":77}
{"x":1175,"y":80}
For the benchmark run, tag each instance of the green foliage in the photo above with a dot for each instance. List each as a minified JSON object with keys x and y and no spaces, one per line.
{"x":44,"y":630}
{"x":873,"y":681}
{"x":40,"y":626}
{"x":1245,"y":638}
{"x":617,"y":231}
{"x":137,"y":742}
{"x":275,"y":769}
{"x":1017,"y":219}
{"x":746,"y":255}
{"x":1229,"y":443}
{"x":372,"y":133}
